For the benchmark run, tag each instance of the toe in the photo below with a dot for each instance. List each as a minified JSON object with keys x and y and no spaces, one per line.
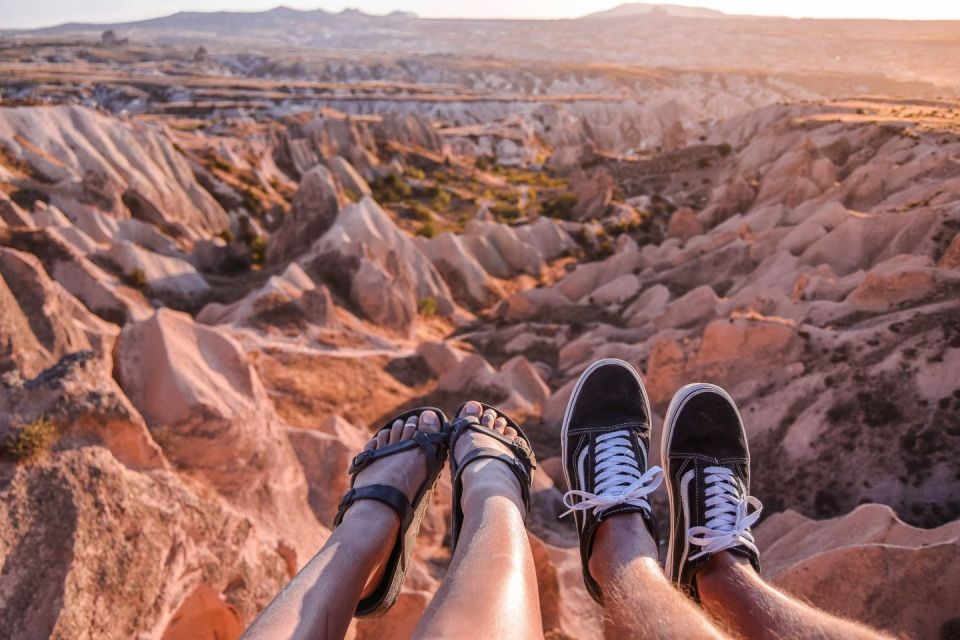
{"x":488,"y":418}
{"x":395,"y":431}
{"x":511,"y":433}
{"x":429,"y":422}
{"x":500,"y":424}
{"x":472,"y":408}
{"x":371,"y":444}
{"x":411,"y":422}
{"x":383,"y":438}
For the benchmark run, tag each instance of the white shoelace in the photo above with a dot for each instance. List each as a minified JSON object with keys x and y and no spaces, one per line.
{"x":728,"y":521}
{"x":617,"y":478}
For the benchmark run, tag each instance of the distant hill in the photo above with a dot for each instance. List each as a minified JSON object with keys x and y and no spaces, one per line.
{"x":630,"y":9}
{"x":636,"y":34}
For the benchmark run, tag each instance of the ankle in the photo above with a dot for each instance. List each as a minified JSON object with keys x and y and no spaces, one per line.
{"x":488,"y":479}
{"x":619,"y":541}
{"x":722,"y":570}
{"x":369,"y":526}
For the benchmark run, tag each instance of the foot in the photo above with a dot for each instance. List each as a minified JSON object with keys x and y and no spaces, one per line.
{"x":605,"y":439}
{"x":487,"y":477}
{"x":707,"y":462}
{"x":405,"y":471}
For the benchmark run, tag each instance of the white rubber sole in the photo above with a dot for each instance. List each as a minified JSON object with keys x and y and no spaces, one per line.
{"x":680,"y":398}
{"x":576,"y":394}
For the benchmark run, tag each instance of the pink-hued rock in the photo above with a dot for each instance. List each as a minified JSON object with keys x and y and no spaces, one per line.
{"x":209,"y":410}
{"x":725,"y":351}
{"x":518,"y":387}
{"x":565,"y":607}
{"x":41,"y":322}
{"x":867,"y":565}
{"x":325,"y":456}
{"x":897,"y":280}
{"x":594,"y":191}
{"x":951,"y":257}
{"x":93,"y":157}
{"x":616,"y":291}
{"x":288,"y":304}
{"x":81,"y":534}
{"x":366,"y":258}
{"x":398,"y":623}
{"x":684,"y":224}
{"x":693,"y":307}
{"x":315,"y":208}
{"x":440,"y":357}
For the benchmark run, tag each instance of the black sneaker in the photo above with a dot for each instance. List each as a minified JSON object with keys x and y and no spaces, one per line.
{"x":704,"y":450}
{"x":605,"y":438}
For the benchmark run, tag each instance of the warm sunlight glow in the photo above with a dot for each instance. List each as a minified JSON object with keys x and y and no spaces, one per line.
{"x":15,"y":15}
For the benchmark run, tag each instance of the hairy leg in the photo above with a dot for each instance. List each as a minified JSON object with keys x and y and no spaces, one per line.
{"x":732,"y":592}
{"x":639,"y":602}
{"x":490,"y":589}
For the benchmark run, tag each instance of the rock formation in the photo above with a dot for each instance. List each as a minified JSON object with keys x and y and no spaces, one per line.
{"x":204,"y":315}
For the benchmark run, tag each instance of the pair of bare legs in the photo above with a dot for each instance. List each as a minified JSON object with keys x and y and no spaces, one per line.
{"x":491,"y":584}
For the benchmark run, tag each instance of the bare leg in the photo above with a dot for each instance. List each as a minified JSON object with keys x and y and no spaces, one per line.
{"x":732,"y":592}
{"x":490,"y":589}
{"x":639,"y":602}
{"x":320,"y":601}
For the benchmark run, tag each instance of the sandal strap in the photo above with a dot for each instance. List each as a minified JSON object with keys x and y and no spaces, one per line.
{"x":432,"y":445}
{"x":386,"y":494}
{"x":519,"y":445}
{"x":516,"y":465}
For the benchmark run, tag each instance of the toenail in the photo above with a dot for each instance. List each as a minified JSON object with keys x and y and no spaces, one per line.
{"x":473,"y":409}
{"x":429,"y":418}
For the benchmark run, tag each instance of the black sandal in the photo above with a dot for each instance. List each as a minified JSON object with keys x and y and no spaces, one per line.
{"x":522,"y":463}
{"x":434,"y":446}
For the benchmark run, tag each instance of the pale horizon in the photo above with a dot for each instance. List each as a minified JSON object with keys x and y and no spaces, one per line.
{"x":26,"y":16}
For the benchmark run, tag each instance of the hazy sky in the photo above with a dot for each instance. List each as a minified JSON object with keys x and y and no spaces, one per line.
{"x":34,"y":13}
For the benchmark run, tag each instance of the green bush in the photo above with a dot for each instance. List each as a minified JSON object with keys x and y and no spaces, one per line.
{"x":427,"y":307}
{"x":441,"y":201}
{"x":421,"y":213}
{"x":390,"y":188}
{"x":31,"y":441}
{"x":428,"y":229}
{"x":258,"y":250}
{"x":505,"y":212}
{"x":559,"y":206}
{"x":137,"y":278}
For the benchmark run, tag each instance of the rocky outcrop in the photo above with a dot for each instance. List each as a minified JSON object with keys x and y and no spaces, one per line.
{"x":81,"y":534}
{"x":409,"y":129}
{"x":86,"y":157}
{"x":315,"y":208}
{"x":161,"y":275}
{"x":473,"y":263}
{"x":351,"y":181}
{"x":41,"y":322}
{"x":325,"y":454}
{"x":208,"y":409}
{"x":867,"y":565}
{"x":288,"y":304}
{"x":366,"y":260}
{"x":594,"y":191}
{"x":517,"y":387}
